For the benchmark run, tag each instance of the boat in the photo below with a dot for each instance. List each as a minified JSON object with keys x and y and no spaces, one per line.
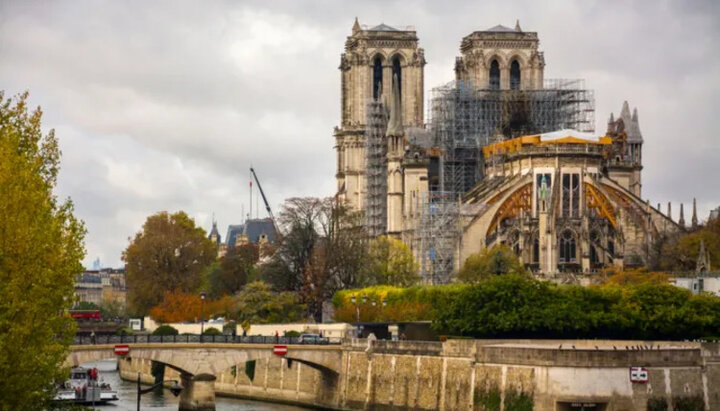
{"x":83,"y":387}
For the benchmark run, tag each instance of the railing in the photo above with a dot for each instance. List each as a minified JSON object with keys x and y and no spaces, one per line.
{"x":172,"y":339}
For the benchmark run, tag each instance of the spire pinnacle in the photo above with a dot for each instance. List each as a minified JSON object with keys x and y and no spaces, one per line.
{"x":625,"y":112}
{"x":703,"y":261}
{"x":356,"y":26}
{"x":669,"y":211}
{"x":517,"y":25}
{"x":694,"y":220}
{"x":612,"y":118}
{"x":635,"y":116}
{"x":681,"y":221}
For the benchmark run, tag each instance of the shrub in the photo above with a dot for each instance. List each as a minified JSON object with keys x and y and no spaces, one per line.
{"x":518,"y":306}
{"x":212,"y":331}
{"x":165,"y":330}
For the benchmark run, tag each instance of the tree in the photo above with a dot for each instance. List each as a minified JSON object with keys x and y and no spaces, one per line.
{"x":391,"y":262}
{"x":635,"y":277}
{"x":679,"y":252}
{"x":235,"y":269}
{"x":323,"y":251}
{"x":41,"y":248}
{"x":170,"y":253}
{"x":178,"y":306}
{"x":499,"y":259}
{"x":257,"y":303}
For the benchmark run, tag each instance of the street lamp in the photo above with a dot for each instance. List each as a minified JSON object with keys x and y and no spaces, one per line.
{"x":202,"y":315}
{"x":175,"y":389}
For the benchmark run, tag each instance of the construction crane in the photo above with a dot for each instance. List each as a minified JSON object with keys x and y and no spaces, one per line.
{"x":267,"y":205}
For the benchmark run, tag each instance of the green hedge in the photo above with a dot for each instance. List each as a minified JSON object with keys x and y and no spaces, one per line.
{"x":517,"y":306}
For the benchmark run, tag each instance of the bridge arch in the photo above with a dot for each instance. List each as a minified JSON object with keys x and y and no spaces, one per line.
{"x":211,"y":359}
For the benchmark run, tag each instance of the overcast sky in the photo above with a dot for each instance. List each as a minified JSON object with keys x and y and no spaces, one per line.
{"x":165,"y":105}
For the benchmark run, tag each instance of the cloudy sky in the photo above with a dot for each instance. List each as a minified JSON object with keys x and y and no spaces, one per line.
{"x":165,"y":105}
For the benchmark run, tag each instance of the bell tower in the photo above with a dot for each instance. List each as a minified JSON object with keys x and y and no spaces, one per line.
{"x":372,"y":57}
{"x":501,"y":58}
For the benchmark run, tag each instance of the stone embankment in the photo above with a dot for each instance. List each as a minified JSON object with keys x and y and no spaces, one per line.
{"x":484,"y":374}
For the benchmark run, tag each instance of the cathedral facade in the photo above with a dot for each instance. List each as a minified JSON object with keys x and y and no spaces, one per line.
{"x":508,"y":157}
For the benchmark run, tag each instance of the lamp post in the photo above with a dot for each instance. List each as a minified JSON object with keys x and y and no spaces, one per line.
{"x":202,"y":315}
{"x":175,"y":389}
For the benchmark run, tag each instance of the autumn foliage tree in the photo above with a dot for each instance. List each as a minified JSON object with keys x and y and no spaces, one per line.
{"x":391,"y":262}
{"x":499,"y":259}
{"x":178,"y":306}
{"x":41,"y":246}
{"x":170,"y":253}
{"x":680,"y":252}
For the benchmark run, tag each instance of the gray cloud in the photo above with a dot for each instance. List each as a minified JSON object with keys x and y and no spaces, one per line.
{"x":164,"y":105}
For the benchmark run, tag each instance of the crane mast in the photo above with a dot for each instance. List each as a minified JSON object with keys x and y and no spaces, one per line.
{"x":267,"y":205}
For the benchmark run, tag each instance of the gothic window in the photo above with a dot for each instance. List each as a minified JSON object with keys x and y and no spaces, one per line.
{"x":611,"y":247}
{"x":397,"y":71}
{"x":377,"y":77}
{"x":571,"y":195}
{"x":495,"y":75}
{"x":567,"y":247}
{"x":536,"y":251}
{"x":575,"y":191}
{"x":515,"y":75}
{"x":566,"y":197}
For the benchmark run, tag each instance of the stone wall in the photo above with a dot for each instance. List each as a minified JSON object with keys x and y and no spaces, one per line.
{"x":484,"y":375}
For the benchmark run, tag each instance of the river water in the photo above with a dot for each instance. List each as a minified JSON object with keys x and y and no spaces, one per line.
{"x":163,"y":399}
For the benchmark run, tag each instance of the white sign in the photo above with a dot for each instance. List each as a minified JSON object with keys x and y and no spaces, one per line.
{"x":136,"y":324}
{"x":638,"y":374}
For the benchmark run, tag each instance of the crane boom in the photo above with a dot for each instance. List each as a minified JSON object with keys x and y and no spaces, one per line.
{"x":267,"y":205}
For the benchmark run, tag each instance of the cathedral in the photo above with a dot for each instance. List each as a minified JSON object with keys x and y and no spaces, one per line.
{"x":506,"y":157}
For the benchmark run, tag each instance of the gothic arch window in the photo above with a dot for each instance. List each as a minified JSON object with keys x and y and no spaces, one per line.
{"x":567,"y":247}
{"x":377,"y":77}
{"x":536,"y":250}
{"x":397,"y":71}
{"x":495,"y":75}
{"x":515,"y":75}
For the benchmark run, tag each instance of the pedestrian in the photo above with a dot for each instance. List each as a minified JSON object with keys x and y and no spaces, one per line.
{"x":277,"y":337}
{"x":92,"y":337}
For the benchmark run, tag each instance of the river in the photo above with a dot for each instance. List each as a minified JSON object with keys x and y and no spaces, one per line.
{"x":163,"y":399}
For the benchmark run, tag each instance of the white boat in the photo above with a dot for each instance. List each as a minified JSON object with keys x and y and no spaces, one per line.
{"x":83,"y":387}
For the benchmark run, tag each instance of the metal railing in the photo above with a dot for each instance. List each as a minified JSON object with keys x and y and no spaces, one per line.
{"x":174,"y":339}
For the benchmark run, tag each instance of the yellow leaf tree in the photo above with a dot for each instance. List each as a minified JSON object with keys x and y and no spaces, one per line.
{"x":391,"y":262}
{"x":41,"y":246}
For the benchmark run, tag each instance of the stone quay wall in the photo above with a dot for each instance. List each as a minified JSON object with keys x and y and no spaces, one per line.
{"x":485,"y":375}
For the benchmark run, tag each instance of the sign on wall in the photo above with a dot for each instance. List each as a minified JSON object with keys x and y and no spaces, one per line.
{"x":122,"y":349}
{"x":280,"y":349}
{"x":638,"y":374}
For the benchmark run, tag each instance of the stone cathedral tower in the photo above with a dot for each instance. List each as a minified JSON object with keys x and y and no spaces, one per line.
{"x":501,"y":58}
{"x":372,"y":57}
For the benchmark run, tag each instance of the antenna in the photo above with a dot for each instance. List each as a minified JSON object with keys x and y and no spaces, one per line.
{"x":250,"y":213}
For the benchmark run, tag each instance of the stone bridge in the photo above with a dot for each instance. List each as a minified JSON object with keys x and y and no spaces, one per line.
{"x":200,"y":363}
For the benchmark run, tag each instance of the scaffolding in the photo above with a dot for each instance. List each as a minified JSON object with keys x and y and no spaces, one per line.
{"x":376,"y":169}
{"x":436,"y":234}
{"x":463,"y":119}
